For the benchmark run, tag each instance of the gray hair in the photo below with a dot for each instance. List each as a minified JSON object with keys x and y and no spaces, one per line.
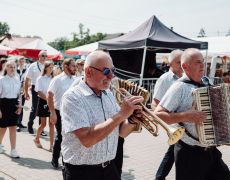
{"x":188,"y":55}
{"x":94,"y":56}
{"x":174,"y":55}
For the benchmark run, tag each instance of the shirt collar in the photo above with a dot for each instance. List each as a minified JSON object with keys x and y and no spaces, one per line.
{"x":86,"y":90}
{"x":174,"y":76}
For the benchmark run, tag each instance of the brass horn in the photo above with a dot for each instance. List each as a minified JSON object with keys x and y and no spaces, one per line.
{"x":150,"y":121}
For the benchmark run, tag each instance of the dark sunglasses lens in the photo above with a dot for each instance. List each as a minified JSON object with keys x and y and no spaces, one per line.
{"x":106,"y":71}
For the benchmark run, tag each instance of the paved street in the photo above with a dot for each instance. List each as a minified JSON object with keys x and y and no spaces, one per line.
{"x":142,"y":156}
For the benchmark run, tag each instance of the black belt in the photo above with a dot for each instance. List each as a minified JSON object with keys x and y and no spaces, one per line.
{"x":102,"y":165}
{"x":196,"y":147}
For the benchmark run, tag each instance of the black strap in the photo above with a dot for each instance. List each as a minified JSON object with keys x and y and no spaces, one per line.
{"x":38,"y":67}
{"x":198,"y":85}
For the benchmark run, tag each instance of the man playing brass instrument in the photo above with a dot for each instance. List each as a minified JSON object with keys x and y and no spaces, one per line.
{"x":92,"y":122}
{"x":193,"y":161}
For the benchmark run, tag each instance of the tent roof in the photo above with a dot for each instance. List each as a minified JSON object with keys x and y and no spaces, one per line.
{"x":39,"y":44}
{"x":82,"y":50}
{"x":16,"y":42}
{"x":152,"y":34}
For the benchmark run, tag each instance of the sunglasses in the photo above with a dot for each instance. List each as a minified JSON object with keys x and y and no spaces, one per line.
{"x":105,"y":71}
{"x":43,"y":55}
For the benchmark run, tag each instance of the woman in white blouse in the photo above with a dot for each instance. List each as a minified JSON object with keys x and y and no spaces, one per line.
{"x":41,"y":87}
{"x":9,"y":108}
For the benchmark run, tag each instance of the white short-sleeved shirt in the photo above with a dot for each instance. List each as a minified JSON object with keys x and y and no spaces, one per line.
{"x":43,"y":83}
{"x":163,"y":84}
{"x":179,"y":98}
{"x":58,"y":86}
{"x":82,"y":108}
{"x":34,"y":71}
{"x":9,"y":87}
{"x":21,"y":73}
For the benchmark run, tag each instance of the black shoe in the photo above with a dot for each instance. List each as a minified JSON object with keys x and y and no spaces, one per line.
{"x":30,"y":130}
{"x":22,"y":126}
{"x":43,"y":133}
{"x":55,"y":164}
{"x":18,"y":129}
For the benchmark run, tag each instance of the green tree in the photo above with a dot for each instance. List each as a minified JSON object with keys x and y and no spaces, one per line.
{"x":4,"y":28}
{"x":59,"y":43}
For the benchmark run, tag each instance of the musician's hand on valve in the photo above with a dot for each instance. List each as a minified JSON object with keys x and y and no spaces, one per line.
{"x":130,"y":104}
{"x":196,"y":116}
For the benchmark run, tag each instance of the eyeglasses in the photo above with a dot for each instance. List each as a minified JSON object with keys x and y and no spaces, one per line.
{"x":43,"y":55}
{"x":12,"y":67}
{"x":105,"y":71}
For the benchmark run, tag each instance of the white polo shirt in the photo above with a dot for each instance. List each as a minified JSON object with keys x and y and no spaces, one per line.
{"x":42,"y":84}
{"x":34,"y":71}
{"x":58,"y":86}
{"x":9,"y":87}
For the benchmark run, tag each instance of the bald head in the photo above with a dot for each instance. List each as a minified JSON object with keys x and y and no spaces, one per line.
{"x":97,"y":57}
{"x":192,"y":63}
{"x":189,"y":55}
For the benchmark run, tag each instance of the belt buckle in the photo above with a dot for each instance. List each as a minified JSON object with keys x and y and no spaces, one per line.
{"x":104,"y":164}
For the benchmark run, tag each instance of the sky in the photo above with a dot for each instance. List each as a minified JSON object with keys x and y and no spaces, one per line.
{"x":51,"y":19}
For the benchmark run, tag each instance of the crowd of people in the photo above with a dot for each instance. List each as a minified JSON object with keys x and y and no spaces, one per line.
{"x":91,"y":126}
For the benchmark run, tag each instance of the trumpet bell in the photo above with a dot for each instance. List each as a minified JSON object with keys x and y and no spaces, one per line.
{"x":176,"y":136}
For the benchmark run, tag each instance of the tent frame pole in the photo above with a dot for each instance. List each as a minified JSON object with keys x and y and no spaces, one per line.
{"x":143,"y":66}
{"x":206,"y":63}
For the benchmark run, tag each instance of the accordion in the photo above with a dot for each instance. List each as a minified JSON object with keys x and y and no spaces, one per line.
{"x":215,"y":102}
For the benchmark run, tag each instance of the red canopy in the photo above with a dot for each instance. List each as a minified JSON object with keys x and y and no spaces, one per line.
{"x":7,"y":51}
{"x":33,"y":48}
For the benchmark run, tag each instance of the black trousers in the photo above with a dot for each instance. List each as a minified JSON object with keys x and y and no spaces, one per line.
{"x":90,"y":172}
{"x":166,"y":164}
{"x":58,"y":138}
{"x":197,"y":163}
{"x":21,"y":115}
{"x":118,"y":161}
{"x":33,"y":107}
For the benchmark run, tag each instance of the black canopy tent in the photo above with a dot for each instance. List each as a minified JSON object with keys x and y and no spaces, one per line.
{"x":133,"y":52}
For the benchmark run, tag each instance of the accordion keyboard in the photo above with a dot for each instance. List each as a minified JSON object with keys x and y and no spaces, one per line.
{"x":206,"y":129}
{"x":215,"y":102}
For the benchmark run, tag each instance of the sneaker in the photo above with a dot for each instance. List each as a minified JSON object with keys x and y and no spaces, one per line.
{"x":43,"y":133}
{"x":18,"y":129}
{"x":14,"y":154}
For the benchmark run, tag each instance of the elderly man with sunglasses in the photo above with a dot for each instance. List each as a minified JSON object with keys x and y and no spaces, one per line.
{"x":91,"y":119}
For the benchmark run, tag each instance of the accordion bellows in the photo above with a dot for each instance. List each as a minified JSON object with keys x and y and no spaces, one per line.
{"x":215,"y":102}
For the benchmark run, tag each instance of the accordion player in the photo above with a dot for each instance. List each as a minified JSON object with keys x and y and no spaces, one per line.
{"x":215,"y":102}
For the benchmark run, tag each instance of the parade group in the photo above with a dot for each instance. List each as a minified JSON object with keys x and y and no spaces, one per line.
{"x":76,"y":99}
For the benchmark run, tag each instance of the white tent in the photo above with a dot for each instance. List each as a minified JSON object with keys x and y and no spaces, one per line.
{"x":82,"y":50}
{"x":217,"y":46}
{"x":4,"y":50}
{"x":34,"y":47}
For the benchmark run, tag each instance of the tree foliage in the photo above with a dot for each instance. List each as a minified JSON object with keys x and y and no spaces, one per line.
{"x":4,"y":28}
{"x":78,"y":39}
